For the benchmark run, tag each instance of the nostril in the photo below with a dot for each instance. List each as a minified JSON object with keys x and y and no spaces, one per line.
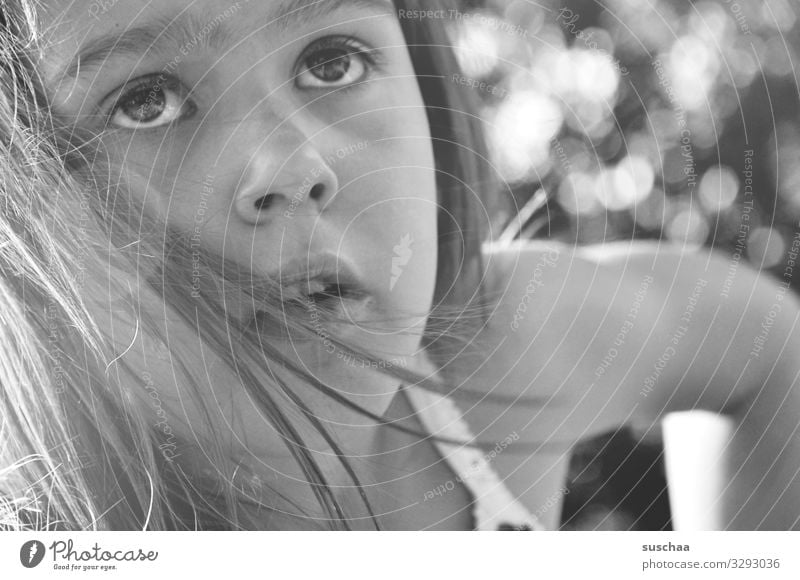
{"x":265,"y":202}
{"x":316,"y":191}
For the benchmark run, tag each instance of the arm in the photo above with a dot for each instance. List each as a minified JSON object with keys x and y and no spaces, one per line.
{"x":735,"y":350}
{"x":631,"y":333}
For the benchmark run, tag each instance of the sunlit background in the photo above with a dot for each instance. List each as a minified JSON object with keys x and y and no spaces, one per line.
{"x":634,"y":118}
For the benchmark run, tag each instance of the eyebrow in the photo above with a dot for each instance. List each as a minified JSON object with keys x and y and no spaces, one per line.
{"x":188,"y":30}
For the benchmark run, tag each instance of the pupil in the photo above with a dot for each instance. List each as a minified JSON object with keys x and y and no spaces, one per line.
{"x":330,"y":65}
{"x":146,"y":104}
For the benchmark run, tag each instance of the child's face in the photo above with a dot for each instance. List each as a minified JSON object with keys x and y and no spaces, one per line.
{"x":268,"y":138}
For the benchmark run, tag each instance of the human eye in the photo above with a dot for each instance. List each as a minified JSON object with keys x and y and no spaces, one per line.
{"x":150,"y":101}
{"x":335,"y":61}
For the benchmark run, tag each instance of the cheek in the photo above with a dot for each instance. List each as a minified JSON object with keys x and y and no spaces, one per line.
{"x":183,"y":187}
{"x":388,"y":223}
{"x":413,"y":216}
{"x":172,"y":181}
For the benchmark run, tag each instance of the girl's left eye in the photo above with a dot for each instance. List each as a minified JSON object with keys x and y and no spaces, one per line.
{"x":335,"y":62}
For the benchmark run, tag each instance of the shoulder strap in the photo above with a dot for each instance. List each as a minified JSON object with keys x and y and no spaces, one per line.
{"x":494,"y":507}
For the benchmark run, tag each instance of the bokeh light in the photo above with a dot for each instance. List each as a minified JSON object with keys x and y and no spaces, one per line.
{"x":718,"y":188}
{"x":765,"y":247}
{"x":688,"y":227}
{"x":520,"y":134}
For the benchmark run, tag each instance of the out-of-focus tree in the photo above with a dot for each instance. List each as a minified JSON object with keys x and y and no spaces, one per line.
{"x":637,"y":116}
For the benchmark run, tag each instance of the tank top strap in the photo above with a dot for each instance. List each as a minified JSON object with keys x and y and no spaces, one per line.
{"x":494,"y":506}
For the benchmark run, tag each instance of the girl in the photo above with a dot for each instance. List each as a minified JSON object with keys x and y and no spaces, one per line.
{"x":244,"y":285}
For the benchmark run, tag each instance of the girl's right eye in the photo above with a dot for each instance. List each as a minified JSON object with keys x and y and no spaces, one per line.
{"x":149,"y":102}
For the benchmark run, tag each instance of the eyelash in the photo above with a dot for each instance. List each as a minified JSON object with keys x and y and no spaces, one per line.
{"x":351,"y":46}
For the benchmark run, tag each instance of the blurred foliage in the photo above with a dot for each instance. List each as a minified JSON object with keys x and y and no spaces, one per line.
{"x":635,"y":117}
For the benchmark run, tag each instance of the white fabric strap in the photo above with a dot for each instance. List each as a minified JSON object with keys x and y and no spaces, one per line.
{"x":494,"y":506}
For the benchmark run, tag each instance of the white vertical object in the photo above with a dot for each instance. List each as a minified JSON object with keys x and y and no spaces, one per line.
{"x":694,"y":447}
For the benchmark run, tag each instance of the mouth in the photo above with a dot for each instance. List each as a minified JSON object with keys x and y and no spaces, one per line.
{"x":322,"y":292}
{"x":324,"y":284}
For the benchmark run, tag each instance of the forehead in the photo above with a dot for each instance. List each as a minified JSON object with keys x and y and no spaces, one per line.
{"x":74,"y":29}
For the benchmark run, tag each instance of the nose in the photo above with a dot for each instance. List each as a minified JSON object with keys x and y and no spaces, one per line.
{"x":285,"y":176}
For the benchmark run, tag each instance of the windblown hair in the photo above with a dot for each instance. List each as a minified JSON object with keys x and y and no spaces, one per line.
{"x":78,"y":256}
